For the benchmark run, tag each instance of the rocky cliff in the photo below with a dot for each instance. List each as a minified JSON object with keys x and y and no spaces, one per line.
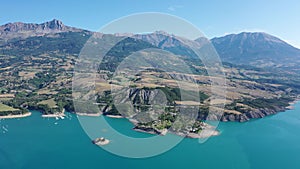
{"x":24,"y":30}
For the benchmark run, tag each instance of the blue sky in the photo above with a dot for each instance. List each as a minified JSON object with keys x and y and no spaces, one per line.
{"x":212,"y":17}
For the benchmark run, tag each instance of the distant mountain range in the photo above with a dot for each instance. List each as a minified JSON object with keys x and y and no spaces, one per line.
{"x":255,"y":49}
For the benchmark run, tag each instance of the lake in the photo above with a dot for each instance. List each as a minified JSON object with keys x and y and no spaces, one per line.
{"x":47,"y":143}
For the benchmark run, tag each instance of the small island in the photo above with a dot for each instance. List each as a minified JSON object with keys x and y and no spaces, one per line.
{"x":101,"y":141}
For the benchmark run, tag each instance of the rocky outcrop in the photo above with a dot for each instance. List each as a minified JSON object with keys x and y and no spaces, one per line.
{"x":243,"y":117}
{"x":142,"y":96}
{"x":253,"y":114}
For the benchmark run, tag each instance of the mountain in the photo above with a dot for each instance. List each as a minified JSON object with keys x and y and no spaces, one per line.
{"x":252,"y":49}
{"x":22,"y":39}
{"x":24,"y":30}
{"x":256,"y":49}
{"x":169,"y":42}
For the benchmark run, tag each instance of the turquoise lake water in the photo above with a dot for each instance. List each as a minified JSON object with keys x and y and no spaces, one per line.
{"x":42,"y":143}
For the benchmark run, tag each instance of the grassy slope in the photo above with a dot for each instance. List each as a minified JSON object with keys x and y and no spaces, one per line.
{"x":4,"y":107}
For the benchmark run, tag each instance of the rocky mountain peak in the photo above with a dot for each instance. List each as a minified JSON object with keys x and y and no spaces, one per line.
{"x":54,"y":25}
{"x":23,"y":30}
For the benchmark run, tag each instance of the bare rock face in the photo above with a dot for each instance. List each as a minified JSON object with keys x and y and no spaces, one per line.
{"x":54,"y":25}
{"x":142,"y":96}
{"x":253,"y":114}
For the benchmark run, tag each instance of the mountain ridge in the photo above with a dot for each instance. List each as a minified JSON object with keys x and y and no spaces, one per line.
{"x":249,"y":48}
{"x":59,"y":26}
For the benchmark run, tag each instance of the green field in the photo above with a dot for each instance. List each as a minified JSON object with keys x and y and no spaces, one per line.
{"x":50,"y":102}
{"x":5,"y":108}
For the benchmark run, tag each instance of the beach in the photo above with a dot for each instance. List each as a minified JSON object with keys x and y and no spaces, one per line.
{"x":16,"y":116}
{"x":54,"y":115}
{"x":89,"y":114}
{"x":115,"y":116}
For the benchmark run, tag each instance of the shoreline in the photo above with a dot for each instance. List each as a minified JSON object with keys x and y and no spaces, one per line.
{"x":89,"y":114}
{"x":16,"y":116}
{"x":259,"y":113}
{"x":114,"y":116}
{"x":54,"y":115}
{"x":291,"y":104}
{"x":152,"y":132}
{"x":206,"y":133}
{"x":209,"y":131}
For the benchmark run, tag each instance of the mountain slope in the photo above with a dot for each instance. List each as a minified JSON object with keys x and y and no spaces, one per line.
{"x":167,"y":42}
{"x":257,"y":49}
